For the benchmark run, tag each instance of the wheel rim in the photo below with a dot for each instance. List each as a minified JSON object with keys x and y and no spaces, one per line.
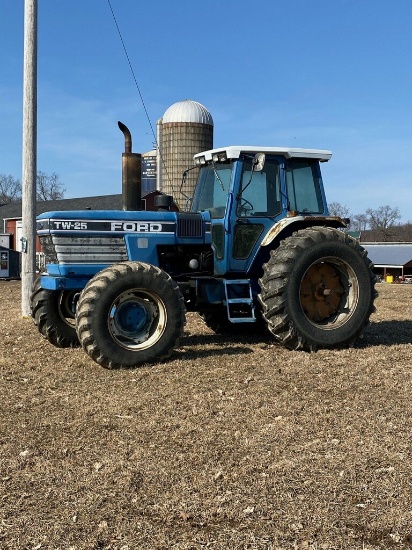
{"x":137,"y":319}
{"x":329,"y":292}
{"x":67,"y":306}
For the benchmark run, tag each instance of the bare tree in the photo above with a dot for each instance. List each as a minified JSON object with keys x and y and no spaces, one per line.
{"x":338,"y":209}
{"x":49,"y":187}
{"x":382,"y":220}
{"x":359,"y":222}
{"x":407,"y":232}
{"x":10,"y":189}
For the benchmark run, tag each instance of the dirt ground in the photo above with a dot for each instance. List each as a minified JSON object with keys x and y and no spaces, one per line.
{"x":231,"y":444}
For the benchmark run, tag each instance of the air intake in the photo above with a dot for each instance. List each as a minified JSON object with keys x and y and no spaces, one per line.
{"x":189,"y":225}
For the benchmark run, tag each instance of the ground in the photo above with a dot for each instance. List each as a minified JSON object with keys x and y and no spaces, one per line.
{"x":231,"y":444}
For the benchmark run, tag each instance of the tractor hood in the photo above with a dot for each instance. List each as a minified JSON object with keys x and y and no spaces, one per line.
{"x":123,"y":222}
{"x":78,"y":244}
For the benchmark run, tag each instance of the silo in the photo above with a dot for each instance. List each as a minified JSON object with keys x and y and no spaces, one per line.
{"x":185,"y":129}
{"x":149,"y":166}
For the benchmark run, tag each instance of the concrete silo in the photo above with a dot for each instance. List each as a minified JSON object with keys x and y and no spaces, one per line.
{"x":185,"y":129}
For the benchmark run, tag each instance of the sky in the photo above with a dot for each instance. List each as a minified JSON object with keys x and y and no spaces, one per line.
{"x":323,"y":74}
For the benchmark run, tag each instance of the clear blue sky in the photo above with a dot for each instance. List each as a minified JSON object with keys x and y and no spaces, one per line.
{"x":328,"y":74}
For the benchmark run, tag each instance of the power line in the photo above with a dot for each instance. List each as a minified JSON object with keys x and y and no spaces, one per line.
{"x":140,"y":94}
{"x":131,"y":68}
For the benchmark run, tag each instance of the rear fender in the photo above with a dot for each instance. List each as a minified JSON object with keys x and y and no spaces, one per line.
{"x":283,"y":229}
{"x":286,"y":226}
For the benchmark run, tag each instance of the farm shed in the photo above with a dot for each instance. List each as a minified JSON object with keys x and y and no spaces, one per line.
{"x":391,"y":259}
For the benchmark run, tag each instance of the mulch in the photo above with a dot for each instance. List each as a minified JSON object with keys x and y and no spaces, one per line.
{"x":233,"y":443}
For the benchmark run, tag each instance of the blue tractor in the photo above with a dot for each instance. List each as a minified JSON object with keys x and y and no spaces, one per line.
{"x":255,"y":246}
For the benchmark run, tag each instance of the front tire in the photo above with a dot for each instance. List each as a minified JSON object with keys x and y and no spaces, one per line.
{"x":53,"y":312}
{"x":129,"y":314}
{"x":317,"y":290}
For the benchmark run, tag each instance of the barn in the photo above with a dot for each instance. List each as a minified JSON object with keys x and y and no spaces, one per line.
{"x":392,"y":261}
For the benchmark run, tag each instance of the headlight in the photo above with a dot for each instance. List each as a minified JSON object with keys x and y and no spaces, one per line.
{"x":200,"y":160}
{"x":219,"y":157}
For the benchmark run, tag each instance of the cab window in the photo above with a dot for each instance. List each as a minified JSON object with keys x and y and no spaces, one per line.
{"x":260,"y":196}
{"x":302,"y":181}
{"x":212,"y":189}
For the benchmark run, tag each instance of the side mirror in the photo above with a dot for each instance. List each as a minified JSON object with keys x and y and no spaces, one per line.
{"x":259,"y":162}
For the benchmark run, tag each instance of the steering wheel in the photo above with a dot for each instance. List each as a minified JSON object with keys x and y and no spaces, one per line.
{"x":245,"y":207}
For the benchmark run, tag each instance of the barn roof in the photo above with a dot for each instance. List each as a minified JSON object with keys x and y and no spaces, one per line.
{"x":389,"y":254}
{"x":102,"y":202}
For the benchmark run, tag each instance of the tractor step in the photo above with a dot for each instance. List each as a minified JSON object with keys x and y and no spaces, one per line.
{"x":239,"y":301}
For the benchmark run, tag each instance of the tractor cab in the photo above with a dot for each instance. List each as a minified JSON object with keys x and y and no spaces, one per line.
{"x":247,"y":190}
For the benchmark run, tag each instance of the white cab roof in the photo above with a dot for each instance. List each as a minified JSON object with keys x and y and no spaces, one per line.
{"x":234,"y":152}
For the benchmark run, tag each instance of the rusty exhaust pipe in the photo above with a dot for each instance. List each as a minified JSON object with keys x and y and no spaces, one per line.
{"x":131,"y":173}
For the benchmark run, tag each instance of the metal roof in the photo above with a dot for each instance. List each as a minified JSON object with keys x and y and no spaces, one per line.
{"x":234,"y":152}
{"x":102,"y":202}
{"x":389,"y":254}
{"x":13,"y":210}
{"x":187,"y":111}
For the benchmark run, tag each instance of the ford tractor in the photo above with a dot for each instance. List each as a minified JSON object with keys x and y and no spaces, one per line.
{"x":255,"y":246}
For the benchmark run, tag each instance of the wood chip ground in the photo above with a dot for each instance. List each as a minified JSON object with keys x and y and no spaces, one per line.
{"x":234,"y":443}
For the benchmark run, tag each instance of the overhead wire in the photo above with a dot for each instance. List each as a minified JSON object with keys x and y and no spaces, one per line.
{"x":140,"y":93}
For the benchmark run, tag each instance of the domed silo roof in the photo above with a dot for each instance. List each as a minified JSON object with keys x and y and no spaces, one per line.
{"x":187,"y":111}
{"x":185,"y":129}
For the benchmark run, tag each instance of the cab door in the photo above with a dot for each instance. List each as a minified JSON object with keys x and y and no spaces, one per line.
{"x":256,"y":206}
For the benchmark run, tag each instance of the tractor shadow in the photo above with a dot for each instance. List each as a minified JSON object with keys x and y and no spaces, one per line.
{"x":193,"y":345}
{"x":387,"y":333}
{"x":206,"y":345}
{"x":382,"y":333}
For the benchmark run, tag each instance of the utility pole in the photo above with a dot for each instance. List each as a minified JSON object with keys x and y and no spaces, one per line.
{"x":29,"y":168}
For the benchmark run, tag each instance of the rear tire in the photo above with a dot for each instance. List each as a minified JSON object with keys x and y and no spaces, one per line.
{"x":129,"y":314}
{"x":53,"y":313}
{"x":317,"y":290}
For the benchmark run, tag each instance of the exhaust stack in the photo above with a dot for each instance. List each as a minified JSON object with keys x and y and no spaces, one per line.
{"x":131,"y":173}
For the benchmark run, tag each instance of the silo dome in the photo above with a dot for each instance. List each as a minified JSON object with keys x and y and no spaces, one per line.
{"x":185,"y":129}
{"x":188,"y":111}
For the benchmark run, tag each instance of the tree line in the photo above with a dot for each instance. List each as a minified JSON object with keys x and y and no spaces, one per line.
{"x":48,"y":188}
{"x":380,"y":224}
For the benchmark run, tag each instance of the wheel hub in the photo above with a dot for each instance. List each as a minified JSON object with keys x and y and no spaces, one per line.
{"x":67,"y":306}
{"x":134,"y":319}
{"x":131,"y":318}
{"x":320,"y":292}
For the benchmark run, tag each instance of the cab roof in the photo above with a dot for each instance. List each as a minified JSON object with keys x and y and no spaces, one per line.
{"x":234,"y":152}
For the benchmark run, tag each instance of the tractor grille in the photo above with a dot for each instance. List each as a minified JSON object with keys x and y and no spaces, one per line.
{"x":83,"y":250}
{"x":189,"y":225}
